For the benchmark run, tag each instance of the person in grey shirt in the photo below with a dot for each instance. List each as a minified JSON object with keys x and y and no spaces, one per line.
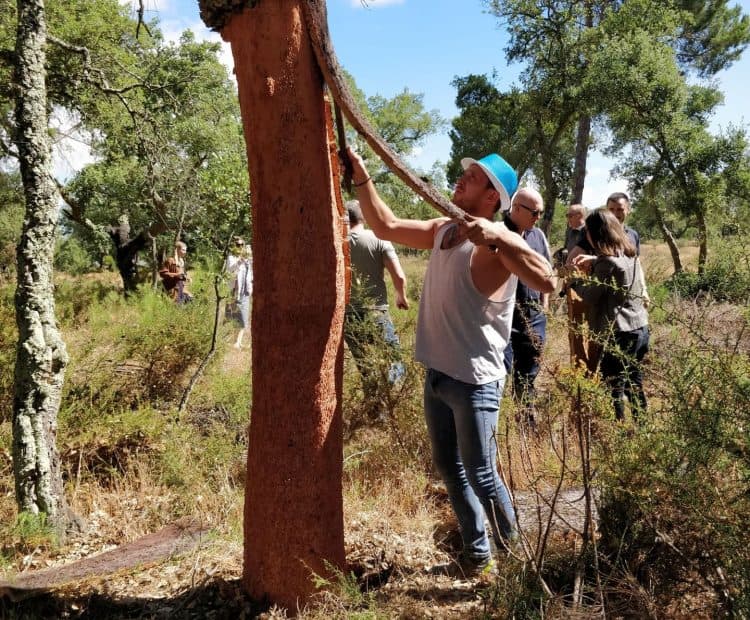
{"x":367,"y":317}
{"x":614,"y":296}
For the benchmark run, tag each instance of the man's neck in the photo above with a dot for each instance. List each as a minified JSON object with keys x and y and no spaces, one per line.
{"x":511,"y":225}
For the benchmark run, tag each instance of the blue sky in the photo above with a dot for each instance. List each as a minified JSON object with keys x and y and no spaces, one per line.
{"x":423,"y":45}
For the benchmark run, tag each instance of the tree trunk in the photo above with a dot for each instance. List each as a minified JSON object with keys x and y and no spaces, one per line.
{"x":583,"y":135}
{"x":582,"y":151}
{"x":293,"y":503}
{"x":549,"y":193}
{"x":40,"y":356}
{"x":665,"y":232}
{"x":702,"y":239}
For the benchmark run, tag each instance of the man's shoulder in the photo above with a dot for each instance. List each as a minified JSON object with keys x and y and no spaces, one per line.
{"x":536,"y":233}
{"x":632,"y":232}
{"x":537,"y":240}
{"x":367,"y":238}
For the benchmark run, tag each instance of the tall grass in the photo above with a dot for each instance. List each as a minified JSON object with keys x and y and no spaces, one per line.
{"x":660,"y":531}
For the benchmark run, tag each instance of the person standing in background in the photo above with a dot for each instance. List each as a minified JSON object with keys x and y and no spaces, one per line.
{"x":370,"y":259}
{"x":529,"y":328}
{"x":242,"y":267}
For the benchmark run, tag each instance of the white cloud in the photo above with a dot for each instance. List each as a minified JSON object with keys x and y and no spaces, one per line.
{"x":374,"y":4}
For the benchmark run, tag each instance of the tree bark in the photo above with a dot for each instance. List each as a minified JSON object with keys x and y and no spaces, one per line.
{"x":583,"y":135}
{"x":700,"y":220}
{"x":549,"y":193}
{"x":293,"y":503}
{"x":41,"y":356}
{"x":582,"y":152}
{"x":666,"y":233}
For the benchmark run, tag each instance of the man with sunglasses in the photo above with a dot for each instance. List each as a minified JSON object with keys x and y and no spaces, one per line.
{"x":463,"y":327}
{"x":529,"y":328}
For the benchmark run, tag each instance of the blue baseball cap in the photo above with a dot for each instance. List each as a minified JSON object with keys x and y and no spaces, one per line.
{"x":503,"y":178}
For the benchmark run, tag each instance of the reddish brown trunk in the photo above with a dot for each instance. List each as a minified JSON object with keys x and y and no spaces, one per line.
{"x":293,"y":503}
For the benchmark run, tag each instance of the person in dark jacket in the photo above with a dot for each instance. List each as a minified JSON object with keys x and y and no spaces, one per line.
{"x":529,"y":328}
{"x":614,"y":295}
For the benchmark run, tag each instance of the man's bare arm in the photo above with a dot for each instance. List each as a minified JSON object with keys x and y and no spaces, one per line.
{"x":513,"y":252}
{"x":381,"y":219}
{"x":399,"y":282}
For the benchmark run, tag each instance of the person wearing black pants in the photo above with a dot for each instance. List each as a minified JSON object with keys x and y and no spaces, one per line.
{"x":615,"y":293}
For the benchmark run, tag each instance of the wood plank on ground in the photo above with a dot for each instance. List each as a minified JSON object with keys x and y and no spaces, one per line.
{"x":174,"y":539}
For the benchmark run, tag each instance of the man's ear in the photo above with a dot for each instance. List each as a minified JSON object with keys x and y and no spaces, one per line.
{"x":493,"y":200}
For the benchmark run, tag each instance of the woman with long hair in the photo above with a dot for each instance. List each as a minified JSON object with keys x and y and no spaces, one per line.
{"x":616,"y":314}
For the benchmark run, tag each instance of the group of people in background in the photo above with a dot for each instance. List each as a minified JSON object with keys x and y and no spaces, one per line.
{"x":604,"y":286}
{"x":482,"y":317}
{"x":239,"y":265}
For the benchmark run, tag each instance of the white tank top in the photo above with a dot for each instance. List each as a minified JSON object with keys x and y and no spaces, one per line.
{"x":459,"y":331}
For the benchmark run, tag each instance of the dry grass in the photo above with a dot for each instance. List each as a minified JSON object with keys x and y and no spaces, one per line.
{"x":398,"y":521}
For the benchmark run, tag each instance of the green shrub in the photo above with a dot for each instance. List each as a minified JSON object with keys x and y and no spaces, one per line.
{"x":144,"y":350}
{"x":74,"y":299}
{"x":675,"y":503}
{"x":8,"y":338}
{"x":71,"y":257}
{"x":726,"y":276}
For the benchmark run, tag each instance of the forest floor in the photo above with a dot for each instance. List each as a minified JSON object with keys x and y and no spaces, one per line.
{"x":171,"y":574}
{"x":189,"y":569}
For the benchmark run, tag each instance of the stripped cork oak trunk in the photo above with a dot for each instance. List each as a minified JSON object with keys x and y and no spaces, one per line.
{"x":293,"y":504}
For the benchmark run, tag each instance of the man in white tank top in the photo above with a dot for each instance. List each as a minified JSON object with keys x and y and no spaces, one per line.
{"x":463,"y":328}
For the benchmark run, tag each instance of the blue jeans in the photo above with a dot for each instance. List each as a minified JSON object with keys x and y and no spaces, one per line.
{"x":461,"y":421}
{"x":524,"y":351}
{"x":359,"y":336}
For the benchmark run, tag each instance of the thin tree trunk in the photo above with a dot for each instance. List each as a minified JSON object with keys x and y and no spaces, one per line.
{"x":549,"y":194}
{"x":583,"y":135}
{"x":41,"y":357}
{"x":702,"y":239}
{"x":293,"y":503}
{"x":665,"y":232}
{"x":582,"y":152}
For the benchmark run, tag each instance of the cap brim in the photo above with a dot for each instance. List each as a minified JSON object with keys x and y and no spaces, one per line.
{"x":499,"y":187}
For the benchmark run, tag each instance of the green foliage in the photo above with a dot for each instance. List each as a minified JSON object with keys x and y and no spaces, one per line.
{"x":11,"y":221}
{"x":73,"y":299}
{"x":153,"y":345}
{"x":726,"y":276}
{"x":71,"y":257}
{"x":8,"y":339}
{"x":488,"y":121}
{"x":31,"y":531}
{"x":626,"y":65}
{"x":675,"y":494}
{"x":531,"y":129}
{"x":404,"y":124}
{"x":181,"y":152}
{"x":343,"y":597}
{"x":713,"y":36}
{"x":162,"y":119}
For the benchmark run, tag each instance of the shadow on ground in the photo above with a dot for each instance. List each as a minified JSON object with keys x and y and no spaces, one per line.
{"x":217,"y":600}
